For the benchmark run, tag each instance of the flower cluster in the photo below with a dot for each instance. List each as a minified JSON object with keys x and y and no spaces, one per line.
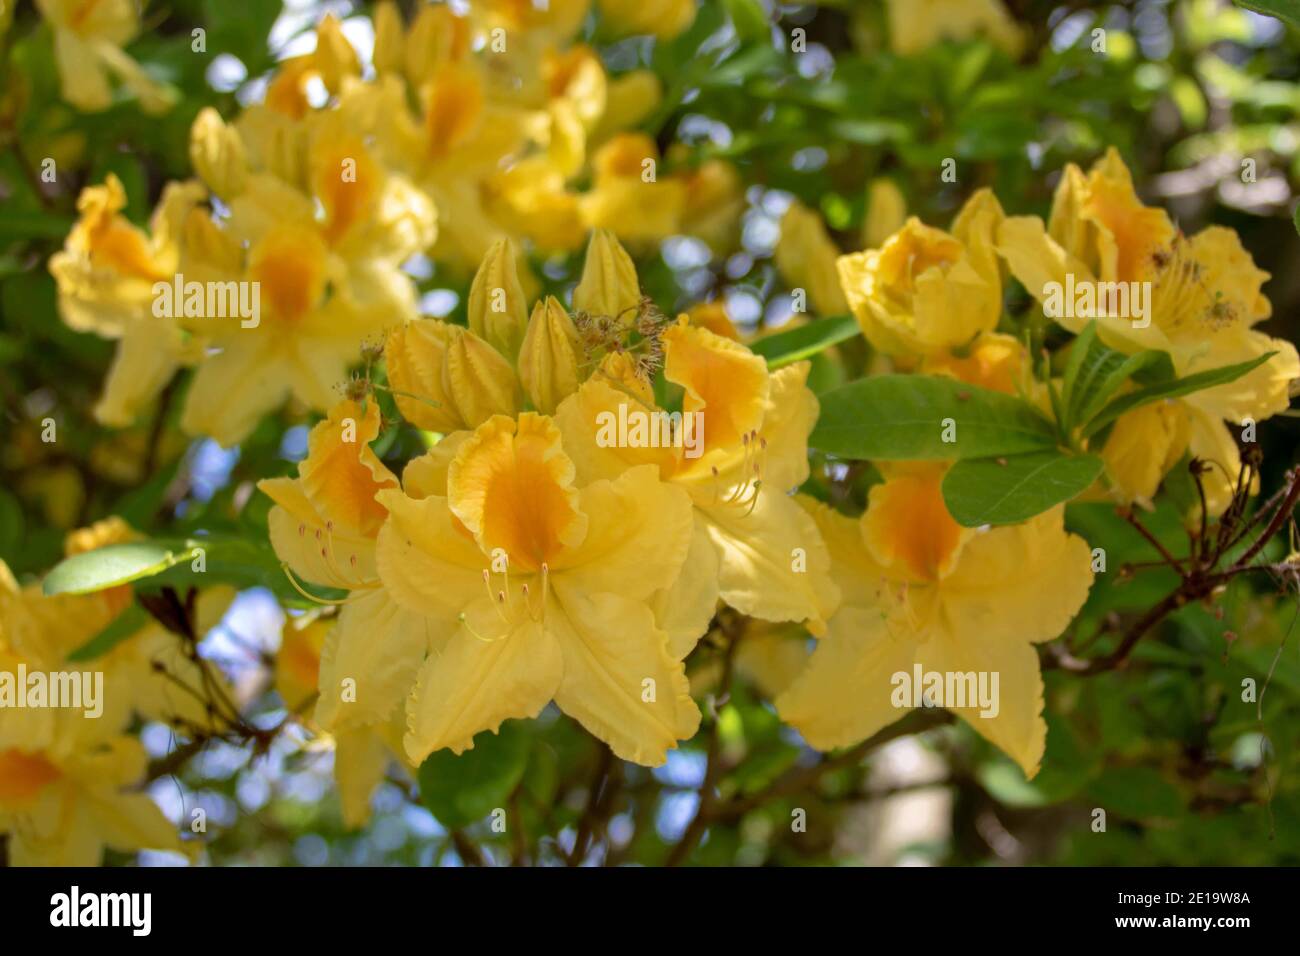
{"x":286,"y":254}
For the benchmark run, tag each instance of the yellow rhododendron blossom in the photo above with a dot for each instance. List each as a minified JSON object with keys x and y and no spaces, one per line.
{"x":926,"y":290}
{"x":324,"y":526}
{"x":994,"y":361}
{"x":628,"y":196}
{"x":359,"y":666}
{"x":806,"y":258}
{"x":715,"y":199}
{"x":664,"y":19}
{"x":923,"y":595}
{"x":538,"y":588}
{"x":149,"y":673}
{"x":62,"y":804}
{"x":88,"y":40}
{"x":739,"y":447}
{"x":1205,"y":297}
{"x":105,"y":276}
{"x":917,"y":25}
{"x":324,"y":287}
{"x":886,"y":212}
{"x":297,"y":663}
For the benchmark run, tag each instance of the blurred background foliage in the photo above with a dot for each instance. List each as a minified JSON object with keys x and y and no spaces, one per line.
{"x":1187,"y":772}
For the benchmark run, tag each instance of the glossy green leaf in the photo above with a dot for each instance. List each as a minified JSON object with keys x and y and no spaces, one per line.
{"x":908,"y":418}
{"x":116,"y":564}
{"x":1288,"y":10}
{"x":792,"y":345}
{"x":998,"y":491}
{"x":1173,"y":389}
{"x":460,"y":790}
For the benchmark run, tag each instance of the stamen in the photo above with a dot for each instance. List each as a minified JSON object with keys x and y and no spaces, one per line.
{"x":464,"y":621}
{"x":288,"y":573}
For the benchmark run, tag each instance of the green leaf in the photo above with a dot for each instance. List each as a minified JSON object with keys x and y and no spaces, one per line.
{"x":169,"y":562}
{"x":782,"y":348}
{"x":1094,"y":372}
{"x":119,"y":629}
{"x":460,"y":790}
{"x":1174,"y":389}
{"x":749,"y":19}
{"x":997,"y":491}
{"x":1085,"y":352}
{"x":1288,"y":10}
{"x":33,"y":225}
{"x":1135,"y":793}
{"x":114,"y":565}
{"x":11,"y":523}
{"x":1114,"y":371}
{"x":903,"y":418}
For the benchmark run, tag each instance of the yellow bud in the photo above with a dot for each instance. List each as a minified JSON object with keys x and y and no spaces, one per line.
{"x":217,"y":152}
{"x":390,"y":38}
{"x":664,"y":19}
{"x":446,"y":378}
{"x":609,"y":284}
{"x":886,"y":212}
{"x":416,"y":357}
{"x":334,"y":57}
{"x":480,"y":382}
{"x":549,"y":360}
{"x":497,"y":307}
{"x":805,"y":257}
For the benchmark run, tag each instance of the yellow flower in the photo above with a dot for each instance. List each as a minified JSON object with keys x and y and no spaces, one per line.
{"x":461,"y":137}
{"x":538,"y":588}
{"x":88,"y":40}
{"x":362,"y":664}
{"x":994,"y":361}
{"x":806,"y":257}
{"x":147,"y":673}
{"x":715,"y":199}
{"x":63,"y":803}
{"x":325,"y":282}
{"x":323,"y":526}
{"x":923,"y":595}
{"x":713,"y":316}
{"x":629,"y":99}
{"x":628,"y":196}
{"x":664,"y":19}
{"x":105,"y":276}
{"x":297,"y":663}
{"x":738,"y":448}
{"x":1204,"y":299}
{"x":886,"y":212}
{"x":768,"y":655}
{"x":926,"y":290}
{"x":916,"y":25}
{"x":436,"y":36}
